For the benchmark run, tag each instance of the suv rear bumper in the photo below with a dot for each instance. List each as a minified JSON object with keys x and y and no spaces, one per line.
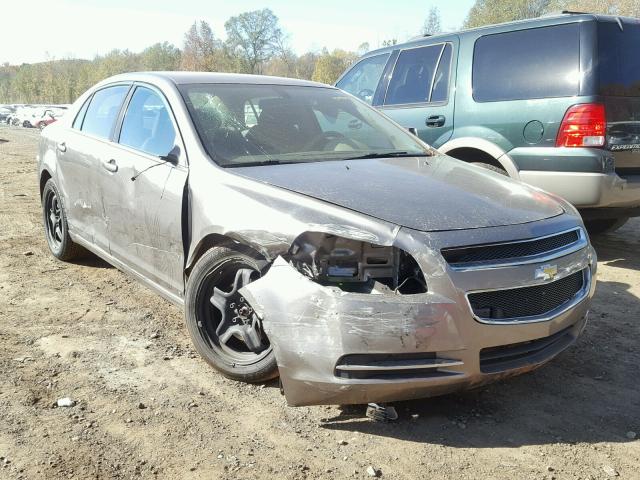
{"x":588,"y":190}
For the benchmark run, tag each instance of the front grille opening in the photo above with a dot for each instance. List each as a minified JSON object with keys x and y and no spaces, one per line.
{"x":518,"y":355}
{"x":525,"y":302}
{"x":459,"y":256}
{"x":384,"y":366}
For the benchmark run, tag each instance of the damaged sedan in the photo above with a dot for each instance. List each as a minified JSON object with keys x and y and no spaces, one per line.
{"x":308,"y":236}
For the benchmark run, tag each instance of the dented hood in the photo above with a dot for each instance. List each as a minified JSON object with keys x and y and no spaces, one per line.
{"x":421,"y":193}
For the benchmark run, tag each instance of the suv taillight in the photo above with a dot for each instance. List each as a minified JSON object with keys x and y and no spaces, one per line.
{"x":583,"y":125}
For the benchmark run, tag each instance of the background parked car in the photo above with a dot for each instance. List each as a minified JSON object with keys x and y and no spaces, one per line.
{"x":49,"y":116}
{"x":553,"y":101}
{"x":5,"y":111}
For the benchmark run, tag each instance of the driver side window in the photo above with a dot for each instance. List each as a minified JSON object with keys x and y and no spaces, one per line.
{"x":147,"y":125}
{"x":362,"y":80}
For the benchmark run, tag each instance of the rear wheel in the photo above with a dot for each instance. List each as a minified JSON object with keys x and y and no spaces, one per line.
{"x":604,"y":225}
{"x":493,"y":168}
{"x":55,"y":225}
{"x":225,"y":330}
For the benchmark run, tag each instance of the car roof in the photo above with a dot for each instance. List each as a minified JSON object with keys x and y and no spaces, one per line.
{"x":184,"y":78}
{"x":544,"y":20}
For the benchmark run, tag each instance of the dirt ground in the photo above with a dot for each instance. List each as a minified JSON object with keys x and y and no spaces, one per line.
{"x":148,"y":407}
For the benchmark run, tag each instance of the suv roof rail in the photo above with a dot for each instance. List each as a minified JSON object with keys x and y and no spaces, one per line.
{"x":563,"y":12}
{"x":418,"y":37}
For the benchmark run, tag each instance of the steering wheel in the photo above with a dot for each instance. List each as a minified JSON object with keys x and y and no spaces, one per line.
{"x":365,"y":94}
{"x":321,"y":141}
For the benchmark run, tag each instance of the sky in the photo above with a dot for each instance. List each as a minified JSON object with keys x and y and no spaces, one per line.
{"x":37,"y":30}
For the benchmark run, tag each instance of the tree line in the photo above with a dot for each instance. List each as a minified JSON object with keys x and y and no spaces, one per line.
{"x":255,"y":43}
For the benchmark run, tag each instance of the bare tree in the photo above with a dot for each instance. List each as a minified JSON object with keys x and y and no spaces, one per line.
{"x":200,"y":48}
{"x":432,"y":23}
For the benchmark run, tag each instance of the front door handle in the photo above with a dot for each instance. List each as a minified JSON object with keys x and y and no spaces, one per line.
{"x":62,"y":146}
{"x":111,"y":165}
{"x":435,"y":121}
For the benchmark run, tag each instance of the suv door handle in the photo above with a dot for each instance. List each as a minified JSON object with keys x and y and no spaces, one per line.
{"x":435,"y":121}
{"x":111,"y":165}
{"x":62,"y":146}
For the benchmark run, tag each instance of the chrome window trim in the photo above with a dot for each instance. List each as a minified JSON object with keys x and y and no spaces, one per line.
{"x":525,"y":260}
{"x":577,"y":298}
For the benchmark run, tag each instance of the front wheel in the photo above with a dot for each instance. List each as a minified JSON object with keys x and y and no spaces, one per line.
{"x":600,"y":226}
{"x":224,"y":329}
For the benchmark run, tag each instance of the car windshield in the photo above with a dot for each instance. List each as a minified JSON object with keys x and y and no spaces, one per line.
{"x":245,"y":125}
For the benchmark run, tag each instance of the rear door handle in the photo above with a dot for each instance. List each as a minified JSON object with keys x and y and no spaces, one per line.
{"x":435,"y":121}
{"x":62,"y":146}
{"x":111,"y":165}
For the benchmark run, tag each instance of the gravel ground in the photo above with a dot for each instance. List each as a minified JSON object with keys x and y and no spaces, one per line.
{"x":146,"y":406}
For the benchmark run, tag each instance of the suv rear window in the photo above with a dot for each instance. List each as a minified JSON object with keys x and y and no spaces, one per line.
{"x":526,"y":64}
{"x":619,"y":62}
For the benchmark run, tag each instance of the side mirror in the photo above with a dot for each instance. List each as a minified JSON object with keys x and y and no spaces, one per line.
{"x":173,"y":157}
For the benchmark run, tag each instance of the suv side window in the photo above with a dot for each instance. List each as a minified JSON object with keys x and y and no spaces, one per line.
{"x":103,"y":110}
{"x":413,"y":75}
{"x":362,"y":80}
{"x":526,"y":64}
{"x":147,"y":125}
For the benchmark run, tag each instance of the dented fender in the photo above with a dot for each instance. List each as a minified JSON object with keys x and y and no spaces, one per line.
{"x":311,"y":326}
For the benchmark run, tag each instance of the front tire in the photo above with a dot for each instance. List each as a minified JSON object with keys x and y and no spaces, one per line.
{"x":56,"y":227}
{"x":223,"y":327}
{"x":601,"y":226}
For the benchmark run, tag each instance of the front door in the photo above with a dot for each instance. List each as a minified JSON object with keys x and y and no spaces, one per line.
{"x":418,"y":96}
{"x":143,"y":188}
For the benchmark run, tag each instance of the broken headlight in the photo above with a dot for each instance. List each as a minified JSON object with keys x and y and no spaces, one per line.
{"x":356,"y":266}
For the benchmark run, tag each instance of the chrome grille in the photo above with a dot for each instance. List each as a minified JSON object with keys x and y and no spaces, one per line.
{"x":461,"y":256}
{"x":521,"y":303}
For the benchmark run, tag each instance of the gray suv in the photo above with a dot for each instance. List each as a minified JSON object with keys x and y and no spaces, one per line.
{"x":554,"y":102}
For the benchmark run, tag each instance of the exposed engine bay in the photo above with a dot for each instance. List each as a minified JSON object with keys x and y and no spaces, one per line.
{"x":356,"y":266}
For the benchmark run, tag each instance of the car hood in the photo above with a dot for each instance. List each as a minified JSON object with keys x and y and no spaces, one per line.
{"x":421,"y":193}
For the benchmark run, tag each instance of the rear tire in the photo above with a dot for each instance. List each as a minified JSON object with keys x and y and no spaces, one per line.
{"x":215,"y":277}
{"x":493,"y":168}
{"x":601,"y":226}
{"x":56,"y":227}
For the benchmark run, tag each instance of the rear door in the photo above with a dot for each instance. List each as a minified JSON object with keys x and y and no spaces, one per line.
{"x":82,"y":151}
{"x":143,"y":190}
{"x":619,"y":85}
{"x":418,"y":94}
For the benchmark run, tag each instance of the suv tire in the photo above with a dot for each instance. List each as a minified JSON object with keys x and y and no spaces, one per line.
{"x":493,"y":168}
{"x":604,"y":225}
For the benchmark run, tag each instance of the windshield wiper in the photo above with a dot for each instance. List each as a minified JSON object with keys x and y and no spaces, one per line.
{"x":394,"y":154}
{"x":257,"y":164}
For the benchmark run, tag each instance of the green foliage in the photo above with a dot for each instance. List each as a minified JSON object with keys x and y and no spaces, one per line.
{"x":487,"y":12}
{"x":331,"y":65}
{"x":254,"y":38}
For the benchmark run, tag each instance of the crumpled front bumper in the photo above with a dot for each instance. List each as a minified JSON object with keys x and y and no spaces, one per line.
{"x":317,"y":331}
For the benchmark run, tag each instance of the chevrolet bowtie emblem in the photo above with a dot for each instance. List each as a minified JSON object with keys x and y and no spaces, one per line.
{"x":546,"y":272}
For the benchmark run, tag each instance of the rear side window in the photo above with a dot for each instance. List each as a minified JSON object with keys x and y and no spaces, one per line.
{"x":362,"y":80}
{"x":619,"y":62}
{"x":77,"y":122}
{"x":103,"y":110}
{"x":147,"y":125}
{"x":414,"y":74}
{"x":526,"y":64}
